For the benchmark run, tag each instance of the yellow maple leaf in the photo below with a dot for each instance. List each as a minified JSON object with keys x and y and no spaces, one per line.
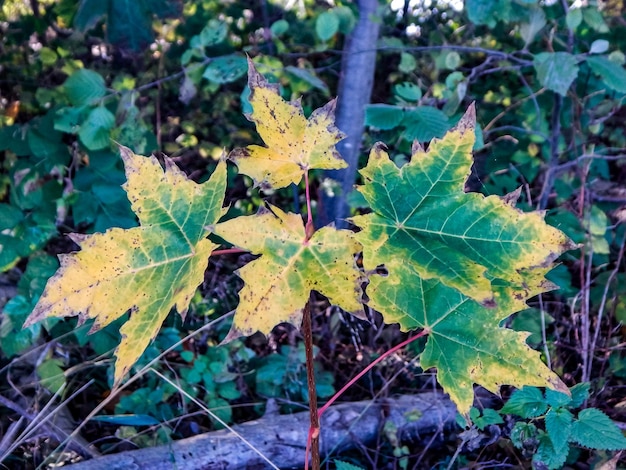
{"x":147,"y":269}
{"x":278,"y":284}
{"x":294,"y":144}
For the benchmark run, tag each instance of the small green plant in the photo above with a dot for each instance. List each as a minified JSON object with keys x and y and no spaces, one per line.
{"x":340,"y":465}
{"x":552,"y":429}
{"x":284,"y":375}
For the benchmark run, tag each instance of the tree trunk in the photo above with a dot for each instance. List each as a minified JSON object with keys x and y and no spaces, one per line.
{"x":355,"y":90}
{"x":281,"y":438}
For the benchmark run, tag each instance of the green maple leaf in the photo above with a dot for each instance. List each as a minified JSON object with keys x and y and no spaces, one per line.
{"x":147,"y":269}
{"x":278,"y":284}
{"x":422,"y":216}
{"x":465,"y":342}
{"x":295,"y":144}
{"x":458,"y":263}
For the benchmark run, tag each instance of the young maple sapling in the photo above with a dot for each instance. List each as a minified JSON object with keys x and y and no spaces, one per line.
{"x":457,"y":263}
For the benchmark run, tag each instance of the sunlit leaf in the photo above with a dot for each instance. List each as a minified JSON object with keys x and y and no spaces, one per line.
{"x":278,"y":284}
{"x":294,"y":144}
{"x":147,"y":269}
{"x":465,"y":341}
{"x":466,"y":240}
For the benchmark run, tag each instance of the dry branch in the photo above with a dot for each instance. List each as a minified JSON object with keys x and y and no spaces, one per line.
{"x":281,"y":438}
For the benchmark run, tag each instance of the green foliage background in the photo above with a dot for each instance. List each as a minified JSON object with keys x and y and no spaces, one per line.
{"x":548,"y":81}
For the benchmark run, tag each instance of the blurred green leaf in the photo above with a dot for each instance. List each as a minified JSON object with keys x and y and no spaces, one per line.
{"x":425,"y":123}
{"x":593,"y":18}
{"x":127,"y":420}
{"x":595,"y":430}
{"x":574,"y":18}
{"x":611,"y":73}
{"x":535,"y":24}
{"x":339,"y":465}
{"x":482,"y":11}
{"x":226,"y":69}
{"x":280,"y":27}
{"x":599,"y":46}
{"x":347,"y":20}
{"x":559,"y":427}
{"x":308,"y":77}
{"x":530,"y":320}
{"x":547,"y":456}
{"x":383,"y":116}
{"x":68,"y":119}
{"x":213,"y":33}
{"x":90,"y":12}
{"x":556,"y":70}
{"x":85,"y":87}
{"x":51,"y":374}
{"x":326,"y":25}
{"x":10,"y":216}
{"x":408,"y":91}
{"x":407,"y":63}
{"x":95,"y":130}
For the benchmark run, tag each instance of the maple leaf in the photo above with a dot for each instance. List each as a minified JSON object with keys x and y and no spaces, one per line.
{"x":294,"y":144}
{"x":465,"y":342}
{"x":458,"y":263}
{"x":465,"y":240}
{"x":278,"y":284}
{"x":147,"y":269}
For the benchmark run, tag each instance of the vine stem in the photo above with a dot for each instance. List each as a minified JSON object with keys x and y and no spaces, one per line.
{"x":313,"y":438}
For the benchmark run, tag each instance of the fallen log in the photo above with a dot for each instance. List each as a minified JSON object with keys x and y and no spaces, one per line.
{"x":281,"y":439}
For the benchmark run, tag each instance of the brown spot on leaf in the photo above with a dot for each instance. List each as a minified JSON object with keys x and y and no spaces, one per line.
{"x":468,"y":121}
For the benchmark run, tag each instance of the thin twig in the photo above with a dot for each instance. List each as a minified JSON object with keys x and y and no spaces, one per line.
{"x":605,"y":295}
{"x":369,"y":367}
{"x":313,"y":439}
{"x":532,"y":96}
{"x":228,"y":251}
{"x":35,"y":424}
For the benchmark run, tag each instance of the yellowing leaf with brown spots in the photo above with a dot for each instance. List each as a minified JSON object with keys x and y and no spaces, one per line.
{"x":294,"y":144}
{"x":278,"y":284}
{"x":458,"y":263}
{"x":147,"y":269}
